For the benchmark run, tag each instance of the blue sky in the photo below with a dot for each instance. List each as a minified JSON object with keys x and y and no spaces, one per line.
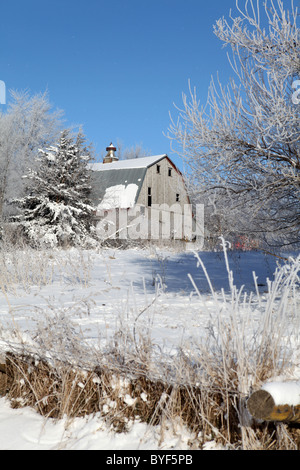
{"x":116,"y":67}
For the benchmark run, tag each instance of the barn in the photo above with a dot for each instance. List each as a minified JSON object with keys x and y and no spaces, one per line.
{"x":141,"y":198}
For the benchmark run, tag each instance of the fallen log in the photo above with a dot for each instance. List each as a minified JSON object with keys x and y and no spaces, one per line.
{"x":262,"y":406}
{"x":3,"y":379}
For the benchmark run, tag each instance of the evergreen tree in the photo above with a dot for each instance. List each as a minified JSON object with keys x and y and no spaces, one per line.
{"x":57,"y":210}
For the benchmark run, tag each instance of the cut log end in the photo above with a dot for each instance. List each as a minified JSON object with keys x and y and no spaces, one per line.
{"x":260,"y":404}
{"x":3,"y":384}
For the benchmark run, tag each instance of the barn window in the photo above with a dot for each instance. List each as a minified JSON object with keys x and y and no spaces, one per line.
{"x":157,"y":168}
{"x":149,"y":197}
{"x":177,"y":197}
{"x":170,"y":171}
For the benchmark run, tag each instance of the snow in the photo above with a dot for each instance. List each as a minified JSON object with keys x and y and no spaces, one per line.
{"x":284,"y":393}
{"x":24,"y":429}
{"x":144,"y":162}
{"x":104,"y":292}
{"x":119,"y":196}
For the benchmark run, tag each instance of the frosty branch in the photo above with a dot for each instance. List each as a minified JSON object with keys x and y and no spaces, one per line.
{"x":243,"y":144}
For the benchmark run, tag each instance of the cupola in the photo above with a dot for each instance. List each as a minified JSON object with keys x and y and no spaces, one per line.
{"x":110,"y":156}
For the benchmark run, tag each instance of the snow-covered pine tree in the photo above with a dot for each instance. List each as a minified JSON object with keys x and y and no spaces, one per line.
{"x":57,"y":210}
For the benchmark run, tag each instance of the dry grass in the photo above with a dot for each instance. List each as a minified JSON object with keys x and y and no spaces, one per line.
{"x":209,"y":413}
{"x":205,"y":388}
{"x":22,"y":268}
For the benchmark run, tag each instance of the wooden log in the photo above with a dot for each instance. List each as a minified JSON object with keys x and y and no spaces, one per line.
{"x":3,"y":380}
{"x":261,"y":405}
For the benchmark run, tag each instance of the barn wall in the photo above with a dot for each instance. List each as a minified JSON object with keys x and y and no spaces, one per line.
{"x":163,"y":187}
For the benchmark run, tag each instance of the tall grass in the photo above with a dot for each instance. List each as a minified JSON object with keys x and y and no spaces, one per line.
{"x":248,"y":339}
{"x":20,"y":269}
{"x":23,"y":268}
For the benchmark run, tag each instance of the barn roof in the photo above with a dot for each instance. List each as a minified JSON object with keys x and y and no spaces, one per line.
{"x":132,"y":163}
{"x":118,"y":184}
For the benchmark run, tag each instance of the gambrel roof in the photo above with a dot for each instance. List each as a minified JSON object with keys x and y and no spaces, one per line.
{"x":118,"y":184}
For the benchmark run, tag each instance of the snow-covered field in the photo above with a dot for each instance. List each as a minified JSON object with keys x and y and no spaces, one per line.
{"x":110,"y":292}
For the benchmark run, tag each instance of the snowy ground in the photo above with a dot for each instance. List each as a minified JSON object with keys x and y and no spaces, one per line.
{"x":23,"y":429}
{"x":107,"y":294}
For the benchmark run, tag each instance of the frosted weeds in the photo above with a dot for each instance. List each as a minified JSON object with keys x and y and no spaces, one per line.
{"x":168,"y":302}
{"x":207,"y":312}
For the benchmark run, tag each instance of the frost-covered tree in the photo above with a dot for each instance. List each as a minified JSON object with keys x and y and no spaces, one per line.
{"x":28,"y":124}
{"x":242,"y":147}
{"x":57,"y":210}
{"x":128,"y":153}
{"x":136,"y":151}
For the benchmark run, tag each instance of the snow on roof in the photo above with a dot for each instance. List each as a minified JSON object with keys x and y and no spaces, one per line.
{"x":103,"y":180}
{"x":144,"y":162}
{"x":119,"y":189}
{"x":119,"y":196}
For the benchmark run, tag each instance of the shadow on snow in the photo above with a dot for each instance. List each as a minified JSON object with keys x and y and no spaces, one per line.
{"x":172,"y":270}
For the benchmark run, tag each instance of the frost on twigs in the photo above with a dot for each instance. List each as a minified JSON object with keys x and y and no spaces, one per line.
{"x":241,"y":146}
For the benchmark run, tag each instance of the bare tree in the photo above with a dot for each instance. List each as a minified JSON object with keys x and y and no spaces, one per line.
{"x":128,"y":153}
{"x":242,"y":146}
{"x":28,"y":125}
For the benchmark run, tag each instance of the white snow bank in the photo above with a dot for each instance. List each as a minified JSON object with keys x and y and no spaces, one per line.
{"x":119,"y":196}
{"x":25,"y":429}
{"x":284,"y":393}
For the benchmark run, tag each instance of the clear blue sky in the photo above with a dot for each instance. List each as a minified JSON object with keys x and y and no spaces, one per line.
{"x":115,"y":66}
